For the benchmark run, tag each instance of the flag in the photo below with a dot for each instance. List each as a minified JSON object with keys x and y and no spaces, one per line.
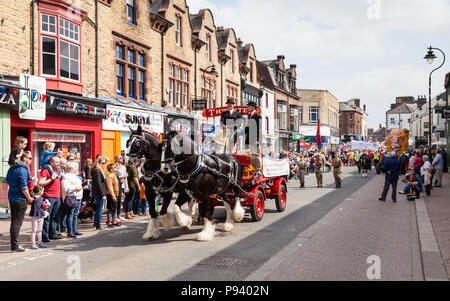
{"x":318,"y":137}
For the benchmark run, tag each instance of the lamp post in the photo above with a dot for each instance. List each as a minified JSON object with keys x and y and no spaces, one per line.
{"x":213,"y":72}
{"x":430,"y":59}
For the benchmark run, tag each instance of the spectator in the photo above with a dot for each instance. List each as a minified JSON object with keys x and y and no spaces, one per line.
{"x":438,"y":164}
{"x":72,"y":186}
{"x":99,"y":191}
{"x":123,"y":184}
{"x":133,"y":193}
{"x":37,"y":213}
{"x":392,"y":167}
{"x":425,"y":171}
{"x":366,"y":163}
{"x":18,"y":197}
{"x":87,"y":169}
{"x":48,"y":152}
{"x":17,"y":151}
{"x":51,"y":181}
{"x":143,"y":199}
{"x":112,"y":185}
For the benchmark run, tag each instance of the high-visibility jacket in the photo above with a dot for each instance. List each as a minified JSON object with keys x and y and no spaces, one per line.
{"x":376,"y":156}
{"x":357,"y":155}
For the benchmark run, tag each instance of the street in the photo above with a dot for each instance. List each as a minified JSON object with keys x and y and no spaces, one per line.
{"x":121,"y":254}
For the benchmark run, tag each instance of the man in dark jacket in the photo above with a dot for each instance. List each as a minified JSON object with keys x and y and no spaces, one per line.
{"x":392,"y":167}
{"x":252,"y":139}
{"x":230,"y":119}
{"x":19,"y":197}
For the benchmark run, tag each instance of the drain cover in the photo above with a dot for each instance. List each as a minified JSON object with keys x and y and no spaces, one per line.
{"x":221,"y":261}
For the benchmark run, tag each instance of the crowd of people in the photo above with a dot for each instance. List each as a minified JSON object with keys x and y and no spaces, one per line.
{"x":55,"y":198}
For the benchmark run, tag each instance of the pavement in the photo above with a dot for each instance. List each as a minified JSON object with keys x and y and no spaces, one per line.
{"x":365,"y":239}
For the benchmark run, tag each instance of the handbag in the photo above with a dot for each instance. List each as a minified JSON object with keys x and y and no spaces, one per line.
{"x":71,"y":201}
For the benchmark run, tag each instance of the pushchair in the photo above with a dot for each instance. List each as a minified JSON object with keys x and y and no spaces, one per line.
{"x":88,"y":204}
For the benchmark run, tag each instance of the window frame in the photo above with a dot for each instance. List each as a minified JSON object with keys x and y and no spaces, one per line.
{"x":208,"y":91}
{"x":178,"y":30}
{"x":58,"y":37}
{"x":179,"y":76}
{"x":311,"y":112}
{"x":131,"y":7}
{"x":138,"y":56}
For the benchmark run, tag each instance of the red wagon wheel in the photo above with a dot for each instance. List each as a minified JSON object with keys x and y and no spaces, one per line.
{"x":281,"y":199}
{"x":257,"y":209}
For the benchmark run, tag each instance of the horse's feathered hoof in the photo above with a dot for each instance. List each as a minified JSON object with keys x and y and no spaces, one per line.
{"x":228,"y":227}
{"x":168,"y":222}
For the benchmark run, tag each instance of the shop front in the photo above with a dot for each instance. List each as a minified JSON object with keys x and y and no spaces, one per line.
{"x":118,"y":125}
{"x":9,"y":100}
{"x":72,"y":123}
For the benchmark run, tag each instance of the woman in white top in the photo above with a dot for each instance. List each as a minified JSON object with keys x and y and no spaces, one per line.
{"x":72,"y":185}
{"x":425,"y":172}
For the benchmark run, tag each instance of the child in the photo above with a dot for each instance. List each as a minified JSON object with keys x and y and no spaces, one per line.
{"x":37,"y":214}
{"x":112,"y":186}
{"x":143,"y":199}
{"x":48,"y":152}
{"x":16,"y":153}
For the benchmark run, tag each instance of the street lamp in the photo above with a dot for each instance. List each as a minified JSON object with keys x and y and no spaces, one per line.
{"x":430,"y":57}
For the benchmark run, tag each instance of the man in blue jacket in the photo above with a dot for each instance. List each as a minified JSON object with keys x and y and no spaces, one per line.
{"x":19,"y":197}
{"x":392,"y":167}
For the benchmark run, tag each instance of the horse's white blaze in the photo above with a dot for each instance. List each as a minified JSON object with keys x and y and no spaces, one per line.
{"x":183,"y":220}
{"x":238,"y":211}
{"x":208,"y":231}
{"x":167,"y":221}
{"x":229,"y":223}
{"x":165,"y":166}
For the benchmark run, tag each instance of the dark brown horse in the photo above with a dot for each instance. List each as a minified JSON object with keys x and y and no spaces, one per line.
{"x":143,"y":144}
{"x":204,"y":175}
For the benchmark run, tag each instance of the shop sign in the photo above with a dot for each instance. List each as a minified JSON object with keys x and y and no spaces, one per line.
{"x":207,"y":113}
{"x":64,"y":106}
{"x":59,"y":137}
{"x":32,"y":98}
{"x":297,"y":137}
{"x":9,"y":98}
{"x":120,"y":119}
{"x":283,"y":135}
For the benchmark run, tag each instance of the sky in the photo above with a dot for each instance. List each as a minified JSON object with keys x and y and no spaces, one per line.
{"x":367,"y":49}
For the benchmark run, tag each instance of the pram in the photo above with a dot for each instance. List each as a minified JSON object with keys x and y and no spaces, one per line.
{"x":88,"y":204}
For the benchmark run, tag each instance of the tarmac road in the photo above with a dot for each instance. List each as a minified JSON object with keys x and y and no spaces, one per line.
{"x":121,"y":254}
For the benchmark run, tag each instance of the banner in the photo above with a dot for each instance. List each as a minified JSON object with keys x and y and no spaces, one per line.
{"x":361,"y":145}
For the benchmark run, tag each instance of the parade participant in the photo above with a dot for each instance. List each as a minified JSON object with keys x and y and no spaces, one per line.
{"x":320,"y":163}
{"x":358,"y":160}
{"x":18,"y":197}
{"x":392,"y":167}
{"x":252,"y":138}
{"x":302,"y":166}
{"x":366,"y":163}
{"x":230,"y":120}
{"x":337,"y":164}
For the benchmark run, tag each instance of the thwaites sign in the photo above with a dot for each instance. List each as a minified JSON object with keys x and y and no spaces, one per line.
{"x":122,"y":119}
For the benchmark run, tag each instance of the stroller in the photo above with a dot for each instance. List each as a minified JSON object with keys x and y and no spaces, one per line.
{"x":88,"y":204}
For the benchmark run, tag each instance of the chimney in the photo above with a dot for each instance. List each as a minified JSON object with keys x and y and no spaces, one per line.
{"x":239,"y":42}
{"x":380,"y":125}
{"x":364,"y":108}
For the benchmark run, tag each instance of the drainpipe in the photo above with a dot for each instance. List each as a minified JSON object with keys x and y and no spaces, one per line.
{"x":96,"y":48}
{"x":32,"y":36}
{"x":221,"y":85}
{"x":195,"y":74}
{"x":162,"y":70}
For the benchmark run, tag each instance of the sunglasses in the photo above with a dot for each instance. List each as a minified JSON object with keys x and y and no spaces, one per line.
{"x":103,"y":163}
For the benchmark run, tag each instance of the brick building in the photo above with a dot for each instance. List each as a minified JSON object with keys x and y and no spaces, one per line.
{"x":351,"y":120}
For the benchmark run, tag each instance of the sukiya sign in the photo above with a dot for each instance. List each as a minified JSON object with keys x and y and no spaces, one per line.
{"x":120,"y":119}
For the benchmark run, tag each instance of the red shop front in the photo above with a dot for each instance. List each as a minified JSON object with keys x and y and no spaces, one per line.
{"x":76,"y":136}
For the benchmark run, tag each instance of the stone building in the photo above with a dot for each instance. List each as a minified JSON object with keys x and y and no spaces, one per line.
{"x":319,"y":105}
{"x":282,"y":81}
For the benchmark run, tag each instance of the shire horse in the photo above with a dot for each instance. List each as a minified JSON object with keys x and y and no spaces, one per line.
{"x":204,"y":175}
{"x":144,"y":144}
